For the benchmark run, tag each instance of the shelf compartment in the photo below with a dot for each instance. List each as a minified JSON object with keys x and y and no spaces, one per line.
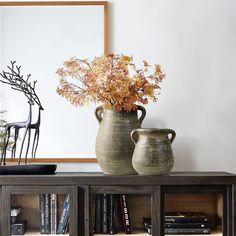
{"x":134,"y":233}
{"x":30,"y":209}
{"x":139,"y":204}
{"x":204,"y":200}
{"x":34,"y":232}
{"x":28,"y":199}
{"x":141,"y":233}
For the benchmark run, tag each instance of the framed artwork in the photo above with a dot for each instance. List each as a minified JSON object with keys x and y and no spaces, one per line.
{"x":40,"y":36}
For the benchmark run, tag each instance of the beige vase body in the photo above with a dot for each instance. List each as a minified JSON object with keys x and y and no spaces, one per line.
{"x":153,"y":153}
{"x":114,"y":146}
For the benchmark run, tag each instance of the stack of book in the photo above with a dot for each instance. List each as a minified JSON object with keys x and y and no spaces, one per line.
{"x":18,"y":227}
{"x":111,"y":214}
{"x":182,"y":223}
{"x":48,"y":208}
{"x":186,"y":223}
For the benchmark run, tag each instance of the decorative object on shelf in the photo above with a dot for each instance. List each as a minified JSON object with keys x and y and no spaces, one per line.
{"x":16,"y":81}
{"x":114,"y":147}
{"x":32,"y":169}
{"x":153,"y":153}
{"x":116,"y":82}
{"x":19,"y":228}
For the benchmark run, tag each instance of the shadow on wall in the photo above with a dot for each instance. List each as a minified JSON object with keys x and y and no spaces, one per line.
{"x":184,"y":150}
{"x":154,"y":123}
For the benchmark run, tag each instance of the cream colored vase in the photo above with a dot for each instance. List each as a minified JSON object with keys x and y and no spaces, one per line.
{"x":114,"y":147}
{"x":153,"y":153}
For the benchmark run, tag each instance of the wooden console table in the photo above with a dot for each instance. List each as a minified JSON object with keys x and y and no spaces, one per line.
{"x":213,"y":193}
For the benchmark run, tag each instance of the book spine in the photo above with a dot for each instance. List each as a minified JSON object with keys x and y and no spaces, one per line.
{"x":66,"y":226}
{"x":98,"y":213}
{"x":186,"y":225}
{"x":64,"y":216}
{"x":42,"y":213}
{"x":111,"y":214}
{"x":117,"y":214}
{"x":125,"y":214}
{"x":53,"y":213}
{"x":47,"y":214}
{"x":104,"y":214}
{"x":172,"y":219}
{"x":187,"y":231}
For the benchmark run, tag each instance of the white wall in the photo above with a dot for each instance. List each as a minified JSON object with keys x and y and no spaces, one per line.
{"x":195,"y":42}
{"x":0,"y":57}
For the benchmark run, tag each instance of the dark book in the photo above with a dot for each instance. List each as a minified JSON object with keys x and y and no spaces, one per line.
{"x":42,"y":213}
{"x":105,"y":214}
{"x":98,"y":213}
{"x":67,"y":226}
{"x":47,"y":214}
{"x":125,"y":214}
{"x":186,"y":217}
{"x":186,"y":225}
{"x":112,"y":229}
{"x":187,"y":230}
{"x":53,"y":209}
{"x":117,"y":214}
{"x":61,"y":229}
{"x":19,"y":228}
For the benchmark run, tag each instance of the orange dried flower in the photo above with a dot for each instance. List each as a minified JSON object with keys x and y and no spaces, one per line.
{"x":111,"y":79}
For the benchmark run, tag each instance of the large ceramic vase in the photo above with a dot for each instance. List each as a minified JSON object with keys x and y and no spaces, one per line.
{"x":114,"y":146}
{"x":153,"y":153}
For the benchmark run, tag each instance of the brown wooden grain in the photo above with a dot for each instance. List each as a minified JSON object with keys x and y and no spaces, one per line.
{"x":51,"y":3}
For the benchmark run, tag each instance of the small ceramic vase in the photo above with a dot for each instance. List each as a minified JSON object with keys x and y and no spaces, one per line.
{"x":153,"y":154}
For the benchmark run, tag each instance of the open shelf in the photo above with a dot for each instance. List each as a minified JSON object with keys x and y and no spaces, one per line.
{"x":212,"y":234}
{"x":138,"y":207}
{"x":35,"y":232}
{"x":210,"y":204}
{"x":141,"y":233}
{"x":30,"y":210}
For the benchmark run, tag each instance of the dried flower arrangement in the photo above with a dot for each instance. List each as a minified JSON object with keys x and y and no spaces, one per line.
{"x":111,"y":79}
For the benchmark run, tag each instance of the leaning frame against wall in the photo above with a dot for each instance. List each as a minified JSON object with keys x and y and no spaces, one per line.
{"x":103,"y":4}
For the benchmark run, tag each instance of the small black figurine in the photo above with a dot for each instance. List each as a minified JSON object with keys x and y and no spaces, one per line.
{"x":17,"y":82}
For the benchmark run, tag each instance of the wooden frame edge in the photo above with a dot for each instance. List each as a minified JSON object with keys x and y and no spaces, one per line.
{"x":106,"y":44}
{"x":51,"y":3}
{"x":106,"y":48}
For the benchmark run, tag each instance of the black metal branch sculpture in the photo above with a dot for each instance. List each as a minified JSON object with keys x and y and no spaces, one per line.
{"x":15,"y":79}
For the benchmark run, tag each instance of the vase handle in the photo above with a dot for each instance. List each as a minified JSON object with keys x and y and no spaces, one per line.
{"x":172,"y":132}
{"x":143,"y":110}
{"x":134,"y":136}
{"x":98,"y":113}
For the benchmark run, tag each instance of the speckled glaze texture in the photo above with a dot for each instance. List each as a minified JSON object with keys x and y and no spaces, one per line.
{"x":153,"y":153}
{"x":114,"y":146}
